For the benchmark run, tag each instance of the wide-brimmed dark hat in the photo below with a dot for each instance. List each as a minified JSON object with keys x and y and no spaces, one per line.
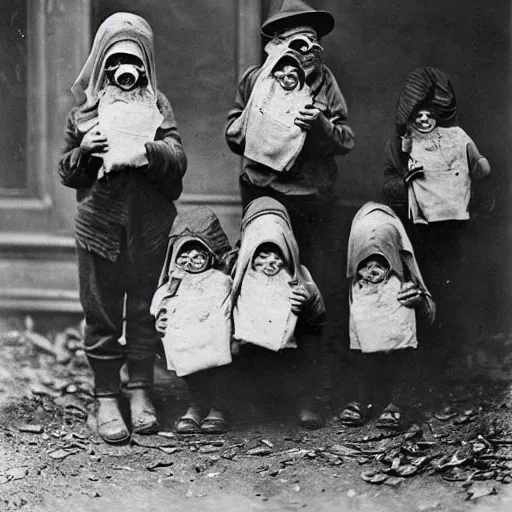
{"x":285,"y":14}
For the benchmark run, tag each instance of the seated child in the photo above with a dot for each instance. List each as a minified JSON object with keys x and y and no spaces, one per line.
{"x":192,"y":308}
{"x":274,"y":296}
{"x":386,"y":289}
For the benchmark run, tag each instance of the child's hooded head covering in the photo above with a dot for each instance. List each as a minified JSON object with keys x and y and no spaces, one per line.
{"x":376,"y":229}
{"x":200,"y":225}
{"x":265,"y":220}
{"x":427,"y":88}
{"x":120,"y":33}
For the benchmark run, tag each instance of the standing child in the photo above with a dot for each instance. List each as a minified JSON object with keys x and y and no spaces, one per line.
{"x":276,"y":304}
{"x":289,"y":122}
{"x":386,"y":288}
{"x":436,"y":179}
{"x":192,"y":307}
{"x":126,"y":185}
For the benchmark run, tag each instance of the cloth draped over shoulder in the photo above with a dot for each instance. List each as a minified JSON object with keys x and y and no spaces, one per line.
{"x":261,"y":317}
{"x":376,"y":229}
{"x":431,"y":88}
{"x":266,"y":127}
{"x":197,"y":306}
{"x":378,"y":321}
{"x":120,"y":27}
{"x":427,"y":87}
{"x":130,"y":210}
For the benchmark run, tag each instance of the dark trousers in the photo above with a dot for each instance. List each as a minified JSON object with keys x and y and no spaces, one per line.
{"x":105,"y":286}
{"x":298,"y":373}
{"x":207,"y":388}
{"x":439,"y":248}
{"x":321,"y":236}
{"x":384,"y":377}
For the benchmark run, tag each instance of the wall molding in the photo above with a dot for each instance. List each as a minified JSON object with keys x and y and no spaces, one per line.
{"x":28,"y":299}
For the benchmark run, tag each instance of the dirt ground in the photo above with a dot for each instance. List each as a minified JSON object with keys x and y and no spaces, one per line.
{"x":456,"y":457}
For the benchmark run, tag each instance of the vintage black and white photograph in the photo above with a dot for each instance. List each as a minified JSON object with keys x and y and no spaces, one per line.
{"x":254,"y":255}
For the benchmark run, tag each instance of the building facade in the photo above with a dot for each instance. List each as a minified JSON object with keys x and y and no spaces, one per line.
{"x":202,"y":47}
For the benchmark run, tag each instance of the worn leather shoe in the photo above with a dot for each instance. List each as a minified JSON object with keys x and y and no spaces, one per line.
{"x":111,"y":426}
{"x":142,"y":412}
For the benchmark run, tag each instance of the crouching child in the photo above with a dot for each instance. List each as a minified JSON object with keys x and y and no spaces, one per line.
{"x":192,"y":308}
{"x":386,"y":290}
{"x":276,"y":304}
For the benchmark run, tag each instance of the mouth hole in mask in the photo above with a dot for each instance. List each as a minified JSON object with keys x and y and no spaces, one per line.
{"x":374,"y":269}
{"x":124,"y":70}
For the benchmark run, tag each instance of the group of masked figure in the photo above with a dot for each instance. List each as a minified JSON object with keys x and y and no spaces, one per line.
{"x":175,"y":280}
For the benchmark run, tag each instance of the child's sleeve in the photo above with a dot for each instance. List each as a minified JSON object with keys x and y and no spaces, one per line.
{"x":167,"y":161}
{"x":314,"y":313}
{"x":482,"y":193}
{"x":394,"y":189}
{"x":76,"y":168}
{"x":243,"y":92}
{"x":336,"y":137}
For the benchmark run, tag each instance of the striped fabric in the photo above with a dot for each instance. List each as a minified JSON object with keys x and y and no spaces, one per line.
{"x":427,"y":88}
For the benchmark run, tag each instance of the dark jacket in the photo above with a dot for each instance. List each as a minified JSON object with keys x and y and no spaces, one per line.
{"x":315,"y":171}
{"x":133,"y":207}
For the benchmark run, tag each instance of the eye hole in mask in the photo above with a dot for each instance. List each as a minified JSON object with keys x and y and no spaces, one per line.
{"x":194,"y":259}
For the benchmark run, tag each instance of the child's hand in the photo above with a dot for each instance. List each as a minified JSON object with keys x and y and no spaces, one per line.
{"x":161,"y":322}
{"x":409,"y":295}
{"x":94,"y":142}
{"x":309,"y":118}
{"x":299,"y":298}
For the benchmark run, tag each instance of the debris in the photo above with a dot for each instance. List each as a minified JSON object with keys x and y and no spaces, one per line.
{"x":209,"y":449}
{"x":329,"y":457}
{"x":344,"y":451}
{"x":72,"y":388}
{"x":153,"y":441}
{"x":163,"y":463}
{"x":31,"y":429}
{"x":167,"y":434}
{"x":60,"y":348}
{"x":260,"y":451}
{"x":169,"y":450}
{"x":16,"y":473}
{"x":374,"y":477}
{"x":39,"y":389}
{"x":465,"y":417}
{"x":445,"y":415}
{"x":296,"y":488}
{"x":479,"y":490}
{"x":230,"y":453}
{"x":407,"y":470}
{"x":212,"y":475}
{"x":61,"y":454}
{"x":393,"y":481}
{"x":39,"y":341}
{"x":72,"y":404}
{"x":458,"y":458}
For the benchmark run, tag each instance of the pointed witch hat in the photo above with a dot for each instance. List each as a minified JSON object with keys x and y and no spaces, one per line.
{"x":285,"y":14}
